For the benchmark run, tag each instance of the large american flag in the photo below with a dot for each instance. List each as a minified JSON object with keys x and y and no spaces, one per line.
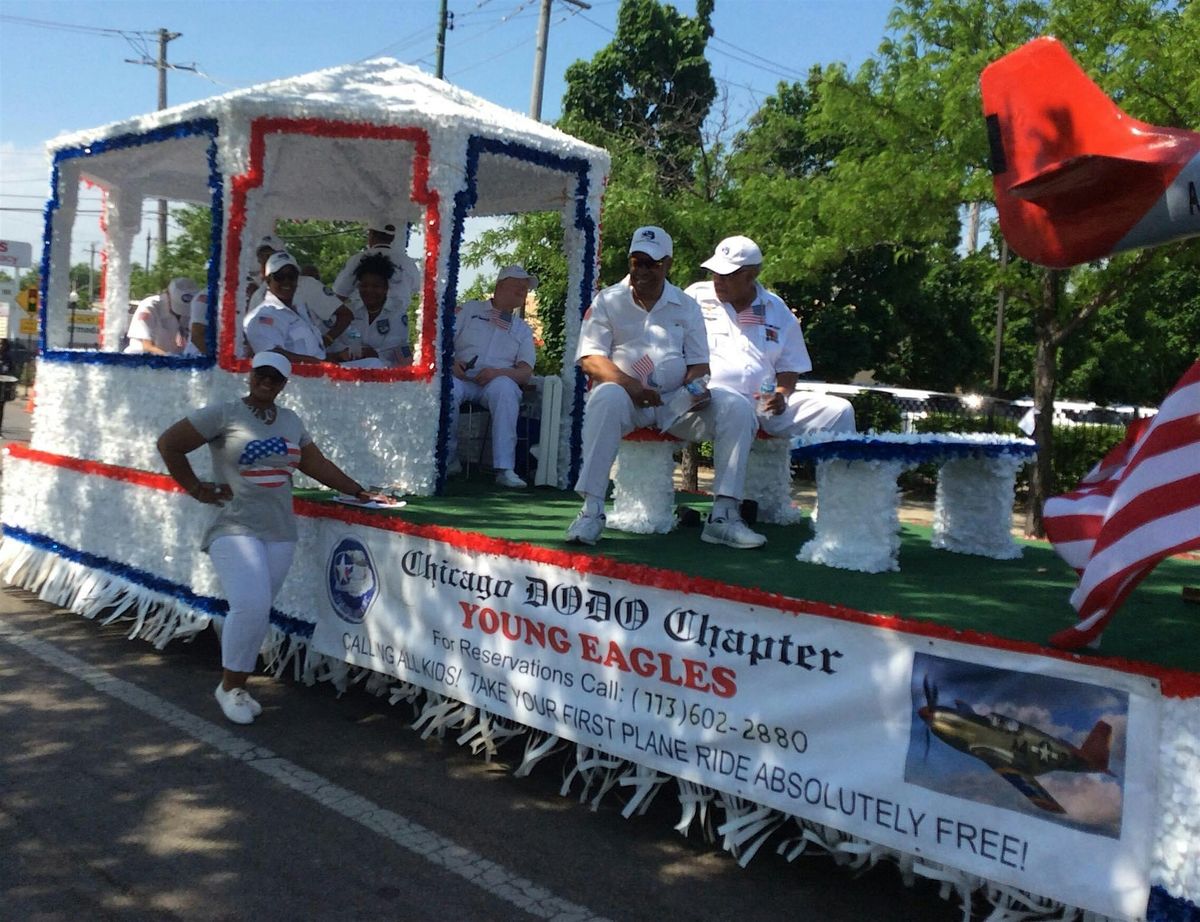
{"x":269,"y":462}
{"x":1139,"y":505}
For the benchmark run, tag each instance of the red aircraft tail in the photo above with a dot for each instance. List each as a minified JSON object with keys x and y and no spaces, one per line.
{"x":1077,"y":179}
{"x":1095,"y":748}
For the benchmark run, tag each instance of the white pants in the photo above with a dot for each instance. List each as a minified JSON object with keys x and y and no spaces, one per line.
{"x":502,"y":397}
{"x":728,"y":420}
{"x":807,"y":412}
{"x":251,"y":572}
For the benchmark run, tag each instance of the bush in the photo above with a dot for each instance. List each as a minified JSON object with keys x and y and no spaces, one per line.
{"x":949,"y":422}
{"x":875,"y":411}
{"x":1076,"y":451}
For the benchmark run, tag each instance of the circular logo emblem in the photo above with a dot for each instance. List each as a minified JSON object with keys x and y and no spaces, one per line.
{"x":351,"y":580}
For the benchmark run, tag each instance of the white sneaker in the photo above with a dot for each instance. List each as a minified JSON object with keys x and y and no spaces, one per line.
{"x":454,"y":467}
{"x":732,"y":533}
{"x":586,"y":529}
{"x":508,"y":478}
{"x":235,"y":704}
{"x":255,"y":707}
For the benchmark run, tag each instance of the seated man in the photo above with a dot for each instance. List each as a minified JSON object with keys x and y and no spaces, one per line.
{"x":756,"y":347}
{"x":641,"y":342}
{"x":158,"y":323}
{"x":493,"y":360}
{"x":197,"y":343}
{"x":323,"y":306}
{"x":405,"y":281}
{"x":281,"y":323}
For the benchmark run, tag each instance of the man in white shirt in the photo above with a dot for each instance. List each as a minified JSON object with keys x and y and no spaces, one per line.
{"x":324,"y":307}
{"x":493,"y":360}
{"x":281,"y":323}
{"x":756,"y":346}
{"x":158,"y":323}
{"x":642,"y":342}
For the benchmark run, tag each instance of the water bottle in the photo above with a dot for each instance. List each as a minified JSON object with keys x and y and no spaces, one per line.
{"x":766,"y":393}
{"x":354,"y":340}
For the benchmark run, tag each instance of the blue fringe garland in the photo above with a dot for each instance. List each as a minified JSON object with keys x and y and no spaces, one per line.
{"x":1166,"y":908}
{"x":192,"y":128}
{"x":464,"y":201}
{"x":933,"y":450}
{"x":207,"y":604}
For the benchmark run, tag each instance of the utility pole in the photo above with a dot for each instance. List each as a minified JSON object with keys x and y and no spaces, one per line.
{"x":539,"y":57}
{"x":161,"y":64}
{"x":445,"y":22}
{"x":92,"y":277}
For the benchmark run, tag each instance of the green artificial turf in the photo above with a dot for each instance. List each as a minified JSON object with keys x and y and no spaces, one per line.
{"x":1025,"y":599}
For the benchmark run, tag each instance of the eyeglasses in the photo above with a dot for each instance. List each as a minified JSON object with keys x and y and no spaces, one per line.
{"x":270,"y":375}
{"x":636,"y":262}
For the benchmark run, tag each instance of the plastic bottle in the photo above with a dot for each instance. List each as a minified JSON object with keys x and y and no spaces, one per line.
{"x":766,"y":393}
{"x":354,"y":340}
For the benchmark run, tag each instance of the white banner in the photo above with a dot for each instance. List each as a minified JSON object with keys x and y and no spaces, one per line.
{"x":1026,"y":770}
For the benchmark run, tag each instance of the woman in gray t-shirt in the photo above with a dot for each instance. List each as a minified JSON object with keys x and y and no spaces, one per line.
{"x":256,"y":446}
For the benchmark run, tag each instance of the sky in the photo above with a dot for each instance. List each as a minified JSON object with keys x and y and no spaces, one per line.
{"x":64,"y":67}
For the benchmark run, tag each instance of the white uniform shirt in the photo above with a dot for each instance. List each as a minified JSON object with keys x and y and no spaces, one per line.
{"x":199,"y":314}
{"x":274,"y":325}
{"x":153,"y":320}
{"x":388,"y":335}
{"x":656,"y":345}
{"x":319,"y":299}
{"x":745,"y":355}
{"x":403,"y":284}
{"x":477,"y":336}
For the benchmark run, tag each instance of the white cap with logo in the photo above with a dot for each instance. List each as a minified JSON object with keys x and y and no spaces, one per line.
{"x":517,"y":272}
{"x":653,"y":241}
{"x":271,"y":242}
{"x":180,"y":292}
{"x":383,"y":225}
{"x":732,"y":254}
{"x":273,"y":360}
{"x":278,"y":260}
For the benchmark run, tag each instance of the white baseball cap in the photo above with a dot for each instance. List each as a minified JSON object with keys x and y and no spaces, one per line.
{"x":180,"y":292}
{"x":653,"y":241}
{"x":278,"y":260}
{"x":270,"y":240}
{"x":384,"y":226}
{"x":517,"y":272}
{"x":733,"y":253}
{"x":273,"y":360}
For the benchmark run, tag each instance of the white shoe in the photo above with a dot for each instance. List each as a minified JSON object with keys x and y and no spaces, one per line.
{"x":732,"y":533}
{"x":508,"y":478}
{"x":453,"y":467}
{"x":586,"y":529}
{"x":255,"y":707}
{"x":235,"y":704}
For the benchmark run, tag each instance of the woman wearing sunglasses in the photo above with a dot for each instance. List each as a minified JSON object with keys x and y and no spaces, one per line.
{"x":256,"y":446}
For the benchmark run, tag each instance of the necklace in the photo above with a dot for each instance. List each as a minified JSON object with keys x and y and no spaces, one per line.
{"x":266,"y":414}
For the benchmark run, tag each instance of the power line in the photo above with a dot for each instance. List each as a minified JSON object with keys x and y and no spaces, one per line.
{"x":71,"y":27}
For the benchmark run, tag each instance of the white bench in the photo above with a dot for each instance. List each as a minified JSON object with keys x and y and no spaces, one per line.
{"x":644,"y":482}
{"x":858,"y":500}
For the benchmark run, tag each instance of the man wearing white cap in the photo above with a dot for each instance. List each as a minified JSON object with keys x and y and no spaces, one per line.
{"x":381,"y":232}
{"x":158,"y":323}
{"x":493,"y":360}
{"x":756,"y":346}
{"x":642,"y":342}
{"x":281,"y":323}
{"x":325,"y":308}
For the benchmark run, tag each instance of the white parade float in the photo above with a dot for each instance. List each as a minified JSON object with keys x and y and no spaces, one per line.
{"x":774,"y":719}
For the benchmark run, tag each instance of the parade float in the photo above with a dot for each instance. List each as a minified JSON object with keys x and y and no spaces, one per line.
{"x":787,"y":705}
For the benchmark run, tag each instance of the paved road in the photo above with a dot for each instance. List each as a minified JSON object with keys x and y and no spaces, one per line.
{"x":125,"y":795}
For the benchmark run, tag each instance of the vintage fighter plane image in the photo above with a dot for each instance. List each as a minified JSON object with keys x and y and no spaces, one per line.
{"x":1076,"y":178}
{"x":1016,"y":751}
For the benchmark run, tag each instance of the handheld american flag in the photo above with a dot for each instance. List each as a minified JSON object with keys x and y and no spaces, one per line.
{"x":753,"y":316}
{"x":644,"y":368}
{"x":1139,"y":505}
{"x":499,"y":319}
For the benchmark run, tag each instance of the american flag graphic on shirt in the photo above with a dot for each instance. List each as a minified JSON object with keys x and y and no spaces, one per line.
{"x":753,"y":316}
{"x":496,"y":318}
{"x":269,"y":462}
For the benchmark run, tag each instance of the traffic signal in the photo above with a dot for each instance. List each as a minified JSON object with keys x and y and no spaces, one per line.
{"x":28,"y":299}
